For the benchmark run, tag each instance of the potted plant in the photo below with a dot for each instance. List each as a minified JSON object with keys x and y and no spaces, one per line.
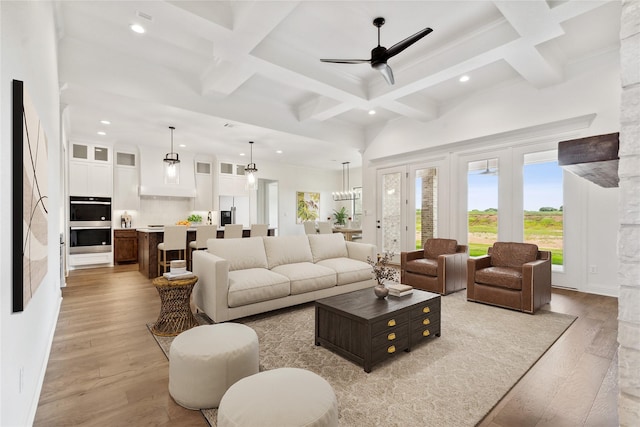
{"x":340,"y":216}
{"x":381,"y":272}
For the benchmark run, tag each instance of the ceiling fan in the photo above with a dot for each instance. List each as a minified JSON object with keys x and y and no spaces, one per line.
{"x":380,"y":54}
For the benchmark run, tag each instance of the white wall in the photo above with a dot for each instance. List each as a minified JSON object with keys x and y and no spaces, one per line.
{"x":507,"y":121}
{"x":292,"y":179}
{"x":28,"y":53}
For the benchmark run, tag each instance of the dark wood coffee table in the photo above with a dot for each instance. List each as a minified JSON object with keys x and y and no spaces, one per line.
{"x":367,"y":330}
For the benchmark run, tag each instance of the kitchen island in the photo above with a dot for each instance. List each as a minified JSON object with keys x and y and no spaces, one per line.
{"x":148,"y":239}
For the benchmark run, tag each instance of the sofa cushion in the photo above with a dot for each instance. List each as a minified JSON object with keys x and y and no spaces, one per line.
{"x":503,"y":277}
{"x":326,"y":246}
{"x":511,"y":254}
{"x":348,"y":270}
{"x":426,"y":267}
{"x":436,"y":247}
{"x":253,"y":285}
{"x":241,"y":253}
{"x":287,"y":250}
{"x":307,"y":277}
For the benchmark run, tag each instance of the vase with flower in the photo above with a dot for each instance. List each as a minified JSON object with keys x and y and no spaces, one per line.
{"x":382,"y":272}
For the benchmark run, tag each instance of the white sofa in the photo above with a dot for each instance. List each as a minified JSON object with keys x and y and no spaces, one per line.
{"x":241,"y":277}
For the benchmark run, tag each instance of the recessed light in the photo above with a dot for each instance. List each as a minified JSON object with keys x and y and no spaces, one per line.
{"x":464,"y":78}
{"x":278,"y":151}
{"x":137,"y":28}
{"x":182,"y":145}
{"x":242,"y":154}
{"x":102,"y":133}
{"x":105,"y":122}
{"x":372,"y":112}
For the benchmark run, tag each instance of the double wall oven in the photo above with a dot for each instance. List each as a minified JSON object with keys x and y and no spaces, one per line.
{"x":89,"y":225}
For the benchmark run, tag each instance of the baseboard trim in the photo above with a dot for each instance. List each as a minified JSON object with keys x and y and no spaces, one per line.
{"x":43,"y":368}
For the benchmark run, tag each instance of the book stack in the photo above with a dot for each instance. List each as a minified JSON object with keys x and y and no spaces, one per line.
{"x":178,"y":270}
{"x":399,"y":290}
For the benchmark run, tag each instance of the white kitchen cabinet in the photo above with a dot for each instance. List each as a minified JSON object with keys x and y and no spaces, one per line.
{"x":90,"y":171}
{"x":90,"y":179}
{"x":126,"y":182}
{"x":232,"y":180}
{"x":204,"y":187}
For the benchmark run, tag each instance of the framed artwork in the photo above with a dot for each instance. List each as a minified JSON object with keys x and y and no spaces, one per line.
{"x":30,"y":217}
{"x":307,"y":206}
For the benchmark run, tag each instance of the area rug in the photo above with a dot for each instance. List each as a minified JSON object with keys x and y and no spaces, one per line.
{"x":451,"y":380}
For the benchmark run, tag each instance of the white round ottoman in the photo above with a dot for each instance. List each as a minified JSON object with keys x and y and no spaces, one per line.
{"x":284,"y":397}
{"x":206,"y":360}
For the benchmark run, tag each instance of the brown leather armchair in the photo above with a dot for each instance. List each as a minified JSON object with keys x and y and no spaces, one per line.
{"x":440,"y":267}
{"x":512,"y":275}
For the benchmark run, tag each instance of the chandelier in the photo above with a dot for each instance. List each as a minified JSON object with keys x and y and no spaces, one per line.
{"x":251,"y":170}
{"x":346,"y":193}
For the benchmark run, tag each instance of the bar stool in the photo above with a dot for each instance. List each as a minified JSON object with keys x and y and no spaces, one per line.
{"x":232,"y":231}
{"x":203,"y":233}
{"x":258,"y":230}
{"x":175,"y":239}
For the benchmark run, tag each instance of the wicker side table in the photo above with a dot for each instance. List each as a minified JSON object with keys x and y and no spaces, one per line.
{"x":175,"y":311}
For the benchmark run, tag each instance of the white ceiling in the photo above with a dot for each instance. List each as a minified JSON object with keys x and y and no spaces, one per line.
{"x":254,"y":67}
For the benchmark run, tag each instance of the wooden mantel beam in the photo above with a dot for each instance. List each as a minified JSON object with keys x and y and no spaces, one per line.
{"x":594,"y":158}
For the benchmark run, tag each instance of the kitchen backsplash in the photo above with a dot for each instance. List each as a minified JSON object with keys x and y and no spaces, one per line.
{"x":159,"y":210}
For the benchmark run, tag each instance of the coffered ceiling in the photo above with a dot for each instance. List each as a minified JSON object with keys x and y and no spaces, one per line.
{"x":227,"y":72}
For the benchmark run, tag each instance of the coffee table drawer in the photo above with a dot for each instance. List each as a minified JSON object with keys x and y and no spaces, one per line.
{"x":390,"y":337}
{"x":388,"y":323}
{"x":420,"y":332}
{"x":383,"y":352}
{"x":429,"y":308}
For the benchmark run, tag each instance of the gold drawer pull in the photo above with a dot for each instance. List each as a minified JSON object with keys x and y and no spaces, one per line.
{"x":426,"y":321}
{"x":426,"y":333}
{"x":391,"y":322}
{"x":391,"y":349}
{"x":426,"y":310}
{"x":391,"y":336}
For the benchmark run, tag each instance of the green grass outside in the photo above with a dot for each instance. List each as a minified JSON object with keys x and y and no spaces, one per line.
{"x":479,"y":249}
{"x":537,"y":226}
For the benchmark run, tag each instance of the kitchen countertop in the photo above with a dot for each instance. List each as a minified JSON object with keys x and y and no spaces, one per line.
{"x":161,"y":229}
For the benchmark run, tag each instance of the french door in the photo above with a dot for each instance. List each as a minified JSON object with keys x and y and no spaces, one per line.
{"x":391,"y":224}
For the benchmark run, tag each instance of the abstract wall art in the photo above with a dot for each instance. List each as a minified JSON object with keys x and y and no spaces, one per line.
{"x":30,"y":217}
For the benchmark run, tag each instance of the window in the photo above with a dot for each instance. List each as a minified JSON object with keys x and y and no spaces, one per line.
{"x":482,"y":205}
{"x":203,"y":168}
{"x":543,"y":204}
{"x":125,"y":159}
{"x":426,"y":201}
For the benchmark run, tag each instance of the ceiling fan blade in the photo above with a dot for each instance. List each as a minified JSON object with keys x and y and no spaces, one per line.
{"x":347,"y":61}
{"x":400,"y":46}
{"x":386,"y":73}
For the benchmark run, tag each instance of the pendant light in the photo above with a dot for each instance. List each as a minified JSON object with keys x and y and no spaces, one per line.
{"x":346,"y":193}
{"x":251,"y":170}
{"x":171,"y":163}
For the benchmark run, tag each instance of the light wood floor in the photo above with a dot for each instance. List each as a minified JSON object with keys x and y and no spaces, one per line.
{"x":106,"y":369}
